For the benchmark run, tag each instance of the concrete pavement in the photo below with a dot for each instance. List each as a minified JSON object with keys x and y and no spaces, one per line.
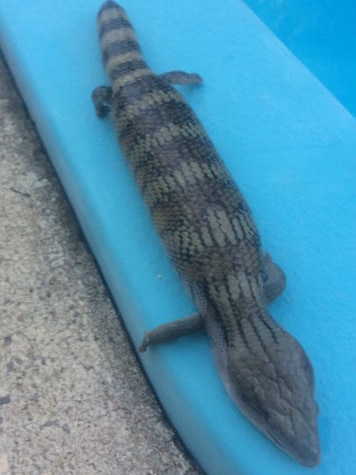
{"x":73,"y":399}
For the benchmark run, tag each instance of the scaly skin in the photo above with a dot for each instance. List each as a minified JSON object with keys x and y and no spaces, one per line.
{"x":208,"y":230}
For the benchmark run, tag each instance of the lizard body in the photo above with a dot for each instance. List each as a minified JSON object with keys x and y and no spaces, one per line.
{"x":210,"y":235}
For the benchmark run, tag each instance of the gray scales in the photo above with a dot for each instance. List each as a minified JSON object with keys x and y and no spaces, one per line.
{"x":209,"y":233}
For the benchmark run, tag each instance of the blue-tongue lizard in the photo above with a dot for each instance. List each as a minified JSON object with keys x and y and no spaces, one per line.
{"x":208,"y":230}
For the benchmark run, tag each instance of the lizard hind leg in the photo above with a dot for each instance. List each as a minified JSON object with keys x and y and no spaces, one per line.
{"x":102,"y":97}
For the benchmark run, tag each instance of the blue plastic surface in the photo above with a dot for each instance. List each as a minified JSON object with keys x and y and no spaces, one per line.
{"x":291,"y":147}
{"x":322,"y":35}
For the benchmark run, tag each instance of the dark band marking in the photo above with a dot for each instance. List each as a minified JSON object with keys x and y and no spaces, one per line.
{"x":113,"y":24}
{"x":117,"y":48}
{"x":256,"y":331}
{"x":143,"y":106}
{"x":131,"y":92}
{"x":269,"y":327}
{"x":126,"y":67}
{"x":241,"y":334}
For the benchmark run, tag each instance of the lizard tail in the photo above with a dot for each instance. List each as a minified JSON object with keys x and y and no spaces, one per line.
{"x":121,"y":52}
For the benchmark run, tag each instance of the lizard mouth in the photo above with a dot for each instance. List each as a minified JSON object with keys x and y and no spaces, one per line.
{"x":303,"y":451}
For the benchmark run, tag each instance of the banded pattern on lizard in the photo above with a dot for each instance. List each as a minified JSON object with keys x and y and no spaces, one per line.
{"x":210,"y":235}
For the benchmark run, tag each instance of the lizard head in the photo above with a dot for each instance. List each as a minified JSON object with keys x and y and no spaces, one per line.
{"x":271,"y":380}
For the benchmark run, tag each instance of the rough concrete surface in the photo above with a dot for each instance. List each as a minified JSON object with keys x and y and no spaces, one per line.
{"x":73,"y":398}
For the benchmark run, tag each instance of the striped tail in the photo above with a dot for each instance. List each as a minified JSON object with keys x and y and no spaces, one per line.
{"x":119,"y":46}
